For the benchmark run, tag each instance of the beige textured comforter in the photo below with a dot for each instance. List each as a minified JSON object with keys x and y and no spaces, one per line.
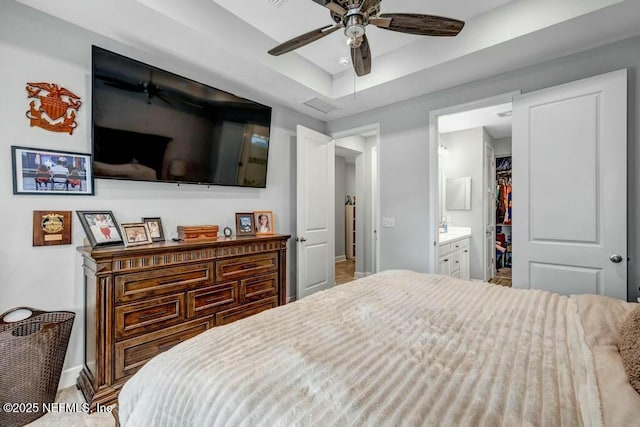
{"x":395,"y":348}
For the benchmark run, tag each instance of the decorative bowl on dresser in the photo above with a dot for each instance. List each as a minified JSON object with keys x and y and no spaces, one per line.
{"x":141,"y":301}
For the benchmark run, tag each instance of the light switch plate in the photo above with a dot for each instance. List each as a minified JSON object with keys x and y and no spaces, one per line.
{"x":388,"y":222}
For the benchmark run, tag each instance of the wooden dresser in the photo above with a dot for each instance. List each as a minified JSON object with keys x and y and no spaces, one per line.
{"x":143,"y":300}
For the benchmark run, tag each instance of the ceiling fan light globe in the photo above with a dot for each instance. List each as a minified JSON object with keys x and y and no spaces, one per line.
{"x":354,"y":31}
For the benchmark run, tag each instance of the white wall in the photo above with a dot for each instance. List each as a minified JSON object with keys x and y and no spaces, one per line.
{"x":341,"y":192}
{"x":464,"y":157}
{"x":35,"y":47}
{"x":502,"y":147}
{"x":350,"y":179}
{"x":404,"y":141}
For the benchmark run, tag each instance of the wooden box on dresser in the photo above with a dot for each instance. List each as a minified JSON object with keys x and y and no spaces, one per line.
{"x":143,"y":300}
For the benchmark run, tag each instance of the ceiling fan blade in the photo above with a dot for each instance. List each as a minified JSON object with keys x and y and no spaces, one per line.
{"x":422,"y":25}
{"x":304,"y":39}
{"x":361,"y":58}
{"x":332,"y":6}
{"x":365,"y":5}
{"x":380,"y":22}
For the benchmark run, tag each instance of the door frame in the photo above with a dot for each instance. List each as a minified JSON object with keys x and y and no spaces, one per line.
{"x":375,"y":231}
{"x":489,"y":182}
{"x":434,"y":166}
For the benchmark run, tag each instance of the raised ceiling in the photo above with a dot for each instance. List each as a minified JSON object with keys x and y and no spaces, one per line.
{"x":231,"y":39}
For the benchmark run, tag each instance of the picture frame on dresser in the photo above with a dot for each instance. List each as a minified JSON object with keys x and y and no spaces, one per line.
{"x":155,"y":228}
{"x":136,"y":234}
{"x":263,"y":222}
{"x":101,"y":228}
{"x":245,"y":224}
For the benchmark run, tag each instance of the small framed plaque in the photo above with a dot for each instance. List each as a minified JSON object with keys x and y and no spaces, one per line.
{"x":51,"y":228}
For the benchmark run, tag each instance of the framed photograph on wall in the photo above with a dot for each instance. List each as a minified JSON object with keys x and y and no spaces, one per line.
{"x":101,"y":227}
{"x":155,"y":228}
{"x":244,"y":224}
{"x":136,"y":233}
{"x":263,"y":222}
{"x":40,"y":171}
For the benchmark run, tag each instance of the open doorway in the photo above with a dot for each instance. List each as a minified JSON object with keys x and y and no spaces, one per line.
{"x":473,"y":239}
{"x":557,"y":138}
{"x":315,"y":205}
{"x":356,"y":204}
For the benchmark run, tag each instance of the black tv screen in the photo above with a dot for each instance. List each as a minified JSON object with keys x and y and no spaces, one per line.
{"x":153,"y":125}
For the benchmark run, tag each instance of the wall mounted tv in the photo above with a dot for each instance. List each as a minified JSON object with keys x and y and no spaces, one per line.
{"x":153,"y":125}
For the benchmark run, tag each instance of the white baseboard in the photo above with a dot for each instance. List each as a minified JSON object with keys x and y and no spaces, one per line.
{"x":341,"y":258}
{"x":290,"y":299}
{"x":69,"y":376}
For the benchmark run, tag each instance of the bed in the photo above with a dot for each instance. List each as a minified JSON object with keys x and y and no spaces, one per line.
{"x":398,"y":348}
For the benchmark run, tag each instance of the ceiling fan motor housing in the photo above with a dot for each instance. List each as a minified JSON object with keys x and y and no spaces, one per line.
{"x":354,"y":24}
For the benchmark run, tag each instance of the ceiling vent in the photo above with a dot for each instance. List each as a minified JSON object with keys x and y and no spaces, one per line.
{"x":277,"y":3}
{"x":320,"y":105}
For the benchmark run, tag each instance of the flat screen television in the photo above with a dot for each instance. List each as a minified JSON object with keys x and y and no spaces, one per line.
{"x":153,"y":125}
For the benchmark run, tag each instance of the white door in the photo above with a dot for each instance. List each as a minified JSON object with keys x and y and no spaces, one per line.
{"x":315,"y":212}
{"x":489,"y":212}
{"x":570,"y":187}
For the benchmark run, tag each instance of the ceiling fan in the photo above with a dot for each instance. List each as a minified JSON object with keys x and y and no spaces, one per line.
{"x":355,"y":15}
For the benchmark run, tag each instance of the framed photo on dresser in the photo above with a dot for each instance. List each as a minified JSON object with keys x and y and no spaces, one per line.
{"x":101,"y":227}
{"x":155,"y":228}
{"x":264,"y":222}
{"x":136,"y":233}
{"x":244,"y":224}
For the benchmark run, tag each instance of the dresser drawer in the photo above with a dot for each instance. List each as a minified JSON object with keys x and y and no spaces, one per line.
{"x":144,"y":284}
{"x":209,"y":300}
{"x":135,"y":352}
{"x":149,"y":316}
{"x":255,"y":288}
{"x":246,"y":266}
{"x":237,"y":313}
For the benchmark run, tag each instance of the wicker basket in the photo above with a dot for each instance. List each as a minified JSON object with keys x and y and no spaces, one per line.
{"x":32,"y":352}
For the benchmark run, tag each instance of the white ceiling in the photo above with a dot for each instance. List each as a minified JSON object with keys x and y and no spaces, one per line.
{"x":230,"y":38}
{"x":493,"y":119}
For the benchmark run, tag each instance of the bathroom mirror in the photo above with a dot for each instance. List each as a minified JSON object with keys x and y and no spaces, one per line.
{"x":458,"y":193}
